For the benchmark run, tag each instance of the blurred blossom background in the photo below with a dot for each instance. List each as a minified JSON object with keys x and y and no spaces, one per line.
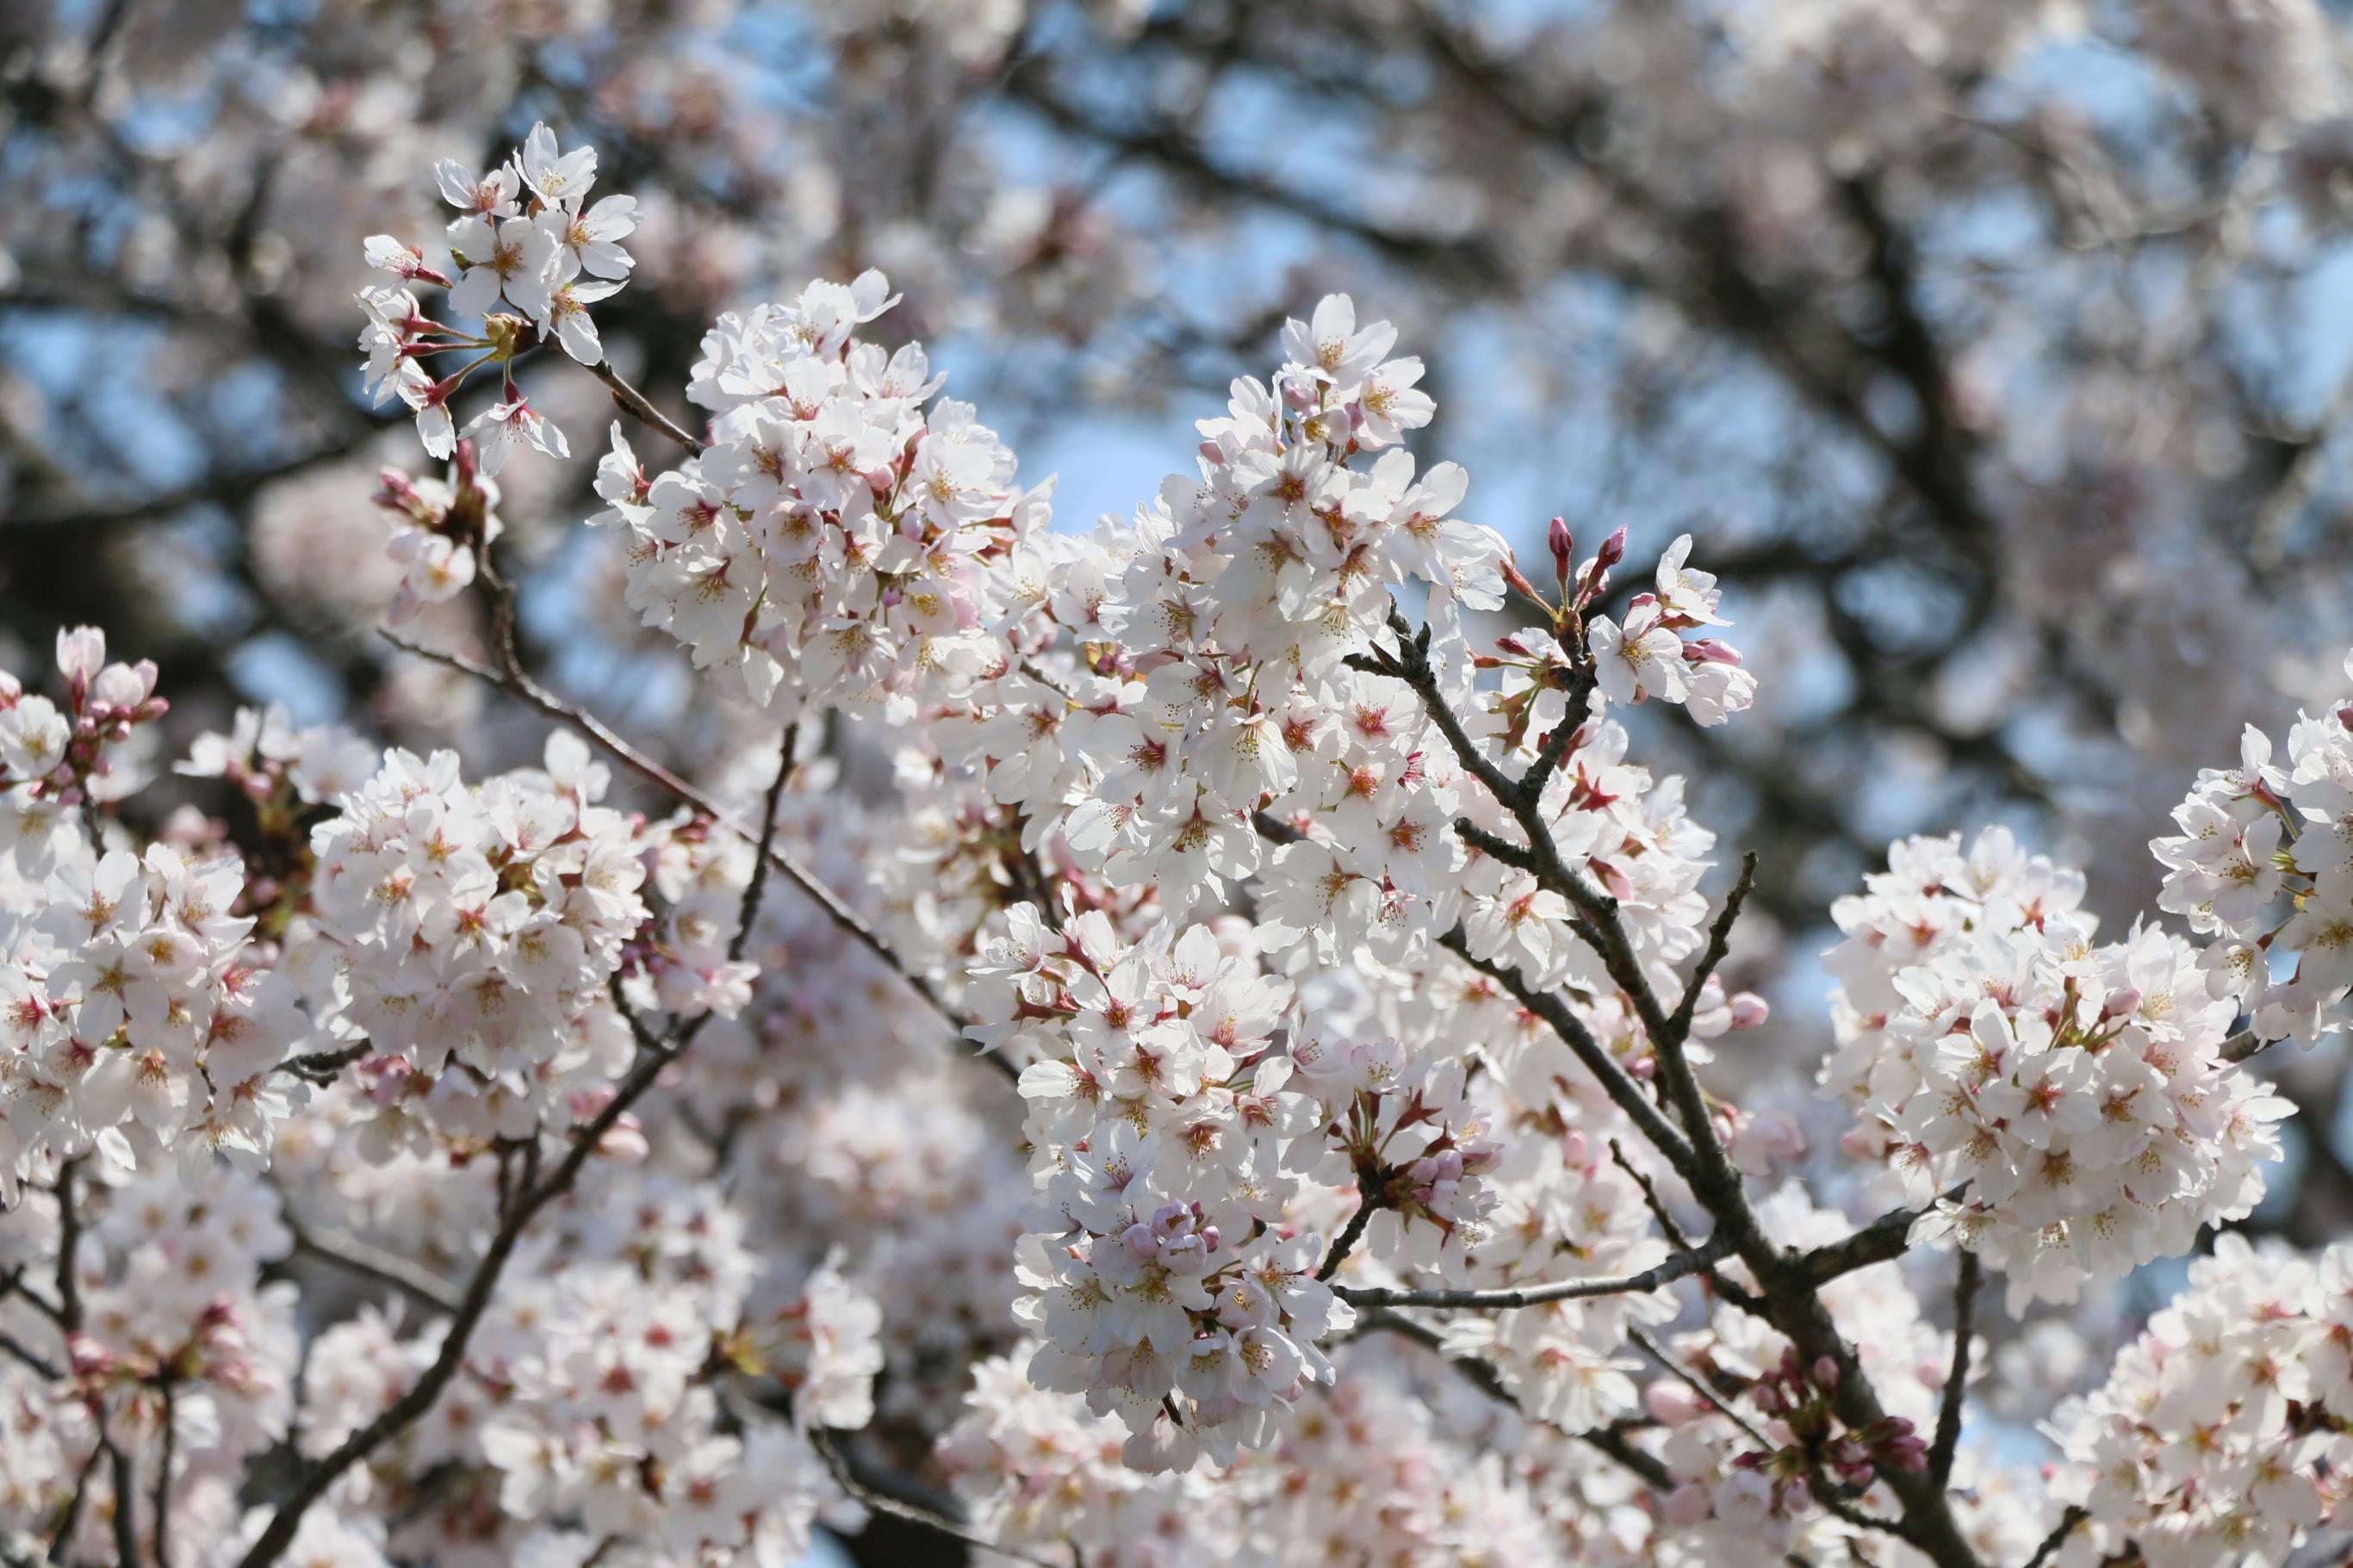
{"x":1999,"y":355}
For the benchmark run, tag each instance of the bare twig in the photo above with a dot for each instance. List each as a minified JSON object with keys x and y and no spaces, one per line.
{"x":2058,"y":1536}
{"x":26,"y":1356}
{"x":639,"y":406}
{"x":1681,"y":1266}
{"x":1483,"y":1376}
{"x":1350,"y":1234}
{"x":349,"y":1252}
{"x":1948,"y":1414}
{"x":404,"y":1412}
{"x":760,"y":860}
{"x":897,"y":1508}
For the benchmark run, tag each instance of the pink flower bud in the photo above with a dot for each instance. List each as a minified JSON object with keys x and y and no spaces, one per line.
{"x":1749,"y":1010}
{"x":1673,"y":1405}
{"x":1826,"y":1374}
{"x":1563,"y":548}
{"x":1711,"y":650}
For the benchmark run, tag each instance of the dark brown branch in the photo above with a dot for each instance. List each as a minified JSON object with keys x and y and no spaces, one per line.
{"x":767,"y":847}
{"x":2058,"y":1536}
{"x":162,"y":1504}
{"x":348,"y":1252}
{"x":639,"y":406}
{"x":850,"y":1480}
{"x":410,"y":1407}
{"x":1956,"y":1382}
{"x":1350,"y":1234}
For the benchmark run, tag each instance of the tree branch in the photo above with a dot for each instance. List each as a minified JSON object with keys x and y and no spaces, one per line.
{"x":1681,"y":1266}
{"x":1949,"y":1415}
{"x":404,"y":1412}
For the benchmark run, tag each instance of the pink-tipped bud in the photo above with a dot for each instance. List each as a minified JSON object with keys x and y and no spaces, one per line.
{"x":1710,"y":650}
{"x":2120,"y":1003}
{"x":1512,"y":576}
{"x":1613,"y":551}
{"x":1748,"y":1010}
{"x":1826,"y":1374}
{"x":1563,"y":548}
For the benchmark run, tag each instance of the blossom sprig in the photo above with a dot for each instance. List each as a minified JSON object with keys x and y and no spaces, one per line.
{"x":2264,"y":866}
{"x":468,"y":934}
{"x":139,"y":1018}
{"x":1551,"y":676}
{"x":58,"y":756}
{"x":842,"y":541}
{"x":2221,"y":1432}
{"x":2082,"y":1093}
{"x":526,"y":239}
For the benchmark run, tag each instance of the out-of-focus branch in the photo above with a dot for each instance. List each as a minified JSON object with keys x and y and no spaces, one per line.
{"x":1680,"y":1266}
{"x":312,"y":1482}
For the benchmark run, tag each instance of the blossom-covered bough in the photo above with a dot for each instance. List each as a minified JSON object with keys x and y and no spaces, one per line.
{"x":1248,"y":1093}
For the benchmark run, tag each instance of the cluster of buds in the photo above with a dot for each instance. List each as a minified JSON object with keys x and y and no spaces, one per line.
{"x":1800,"y":1396}
{"x":1551,"y":677}
{"x":60,"y":753}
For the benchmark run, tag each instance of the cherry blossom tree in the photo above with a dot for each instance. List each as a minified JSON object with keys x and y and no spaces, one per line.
{"x":802,"y":994}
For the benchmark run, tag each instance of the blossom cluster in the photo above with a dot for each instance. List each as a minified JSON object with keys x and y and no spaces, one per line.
{"x":525,"y":236}
{"x":1162,"y":1124}
{"x":470,"y":935}
{"x":2072,"y":1104}
{"x":837,"y":542}
{"x":57,"y":757}
{"x":139,"y":1016}
{"x":177,"y":1325}
{"x":2220,"y":1435}
{"x":2263,"y":865}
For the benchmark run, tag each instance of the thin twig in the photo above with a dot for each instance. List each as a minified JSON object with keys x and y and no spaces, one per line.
{"x":519,"y":683}
{"x":14,"y":1285}
{"x":921,"y":1517}
{"x":1699,"y":1385}
{"x":410,"y":1407}
{"x":2068,"y":1521}
{"x":163,"y":1506}
{"x":639,"y":406}
{"x":1681,"y":1266}
{"x":760,"y":862}
{"x":1948,"y":1414}
{"x":349,"y":1252}
{"x":1483,"y":1376}
{"x":32,"y":1360}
